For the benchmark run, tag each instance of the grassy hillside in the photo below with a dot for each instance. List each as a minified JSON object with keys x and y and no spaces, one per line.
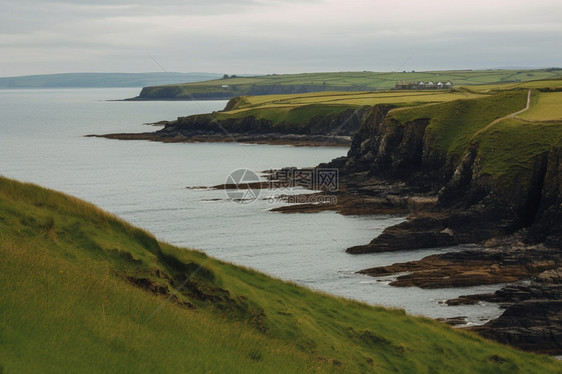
{"x":342,"y":81}
{"x":300,"y":109}
{"x":82,"y":291}
{"x":454,"y":124}
{"x":546,"y":106}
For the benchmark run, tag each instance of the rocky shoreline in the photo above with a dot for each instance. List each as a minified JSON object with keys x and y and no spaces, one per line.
{"x":532,"y":298}
{"x":395,"y":168}
{"x":392,"y":168}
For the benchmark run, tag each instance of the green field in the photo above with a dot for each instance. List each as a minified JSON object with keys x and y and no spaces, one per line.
{"x":545,"y":106}
{"x":342,"y":81}
{"x":301,"y":108}
{"x":82,"y":291}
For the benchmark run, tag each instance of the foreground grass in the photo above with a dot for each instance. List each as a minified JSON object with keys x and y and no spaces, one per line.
{"x":82,"y":291}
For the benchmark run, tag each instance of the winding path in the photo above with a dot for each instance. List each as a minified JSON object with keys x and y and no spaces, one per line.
{"x":511,"y":115}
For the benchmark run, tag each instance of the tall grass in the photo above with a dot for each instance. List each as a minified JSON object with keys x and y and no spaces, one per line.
{"x":69,"y":303}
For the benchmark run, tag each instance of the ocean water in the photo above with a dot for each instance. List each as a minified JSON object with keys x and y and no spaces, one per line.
{"x":42,"y":141}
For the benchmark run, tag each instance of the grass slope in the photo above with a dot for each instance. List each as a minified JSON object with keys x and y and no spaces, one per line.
{"x":509,"y":147}
{"x":341,"y":81}
{"x":82,"y":291}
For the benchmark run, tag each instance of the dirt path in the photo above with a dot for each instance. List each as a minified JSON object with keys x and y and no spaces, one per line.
{"x":511,"y":115}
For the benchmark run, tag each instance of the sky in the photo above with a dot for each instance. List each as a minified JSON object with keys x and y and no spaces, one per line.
{"x":281,"y":36}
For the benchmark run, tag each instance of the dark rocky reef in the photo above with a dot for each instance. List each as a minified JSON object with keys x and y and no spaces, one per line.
{"x":533,"y":313}
{"x":479,"y":266}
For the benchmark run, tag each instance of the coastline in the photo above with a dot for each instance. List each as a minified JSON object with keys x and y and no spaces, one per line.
{"x":295,"y":140}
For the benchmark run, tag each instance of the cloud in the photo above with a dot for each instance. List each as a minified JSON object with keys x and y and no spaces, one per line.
{"x":276,"y":36}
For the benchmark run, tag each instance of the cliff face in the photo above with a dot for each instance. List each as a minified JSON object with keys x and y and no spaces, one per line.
{"x":472,"y":204}
{"x":396,"y":151}
{"x":344,"y":123}
{"x":517,"y":211}
{"x":546,"y":202}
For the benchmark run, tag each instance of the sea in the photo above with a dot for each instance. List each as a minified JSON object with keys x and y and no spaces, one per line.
{"x":162,"y":187}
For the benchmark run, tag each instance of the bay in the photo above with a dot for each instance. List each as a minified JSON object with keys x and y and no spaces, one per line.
{"x":42,"y":141}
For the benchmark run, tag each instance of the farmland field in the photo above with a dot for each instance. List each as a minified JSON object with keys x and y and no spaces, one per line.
{"x":340,"y":81}
{"x":545,"y":106}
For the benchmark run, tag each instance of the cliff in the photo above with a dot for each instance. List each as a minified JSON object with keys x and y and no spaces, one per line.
{"x":489,"y":180}
{"x":342,"y":123}
{"x":308,"y":125}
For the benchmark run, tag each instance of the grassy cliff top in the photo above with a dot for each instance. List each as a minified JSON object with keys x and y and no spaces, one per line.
{"x":301,"y":108}
{"x":341,"y":81}
{"x":82,"y":291}
{"x":509,"y":134}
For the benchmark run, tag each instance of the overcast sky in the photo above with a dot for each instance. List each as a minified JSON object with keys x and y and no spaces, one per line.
{"x":283,"y":36}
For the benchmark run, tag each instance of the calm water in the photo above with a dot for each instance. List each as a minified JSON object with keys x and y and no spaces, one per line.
{"x":42,"y":141}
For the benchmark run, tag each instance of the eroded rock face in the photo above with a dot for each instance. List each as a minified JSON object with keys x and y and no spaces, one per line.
{"x":547,"y":222}
{"x":471,"y":205}
{"x":533,"y":316}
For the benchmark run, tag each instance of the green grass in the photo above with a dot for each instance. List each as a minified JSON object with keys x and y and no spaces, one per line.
{"x":341,"y":81}
{"x":299,"y":109}
{"x":545,"y":106}
{"x":453,"y":124}
{"x":68,"y":304}
{"x":551,"y":84}
{"x":507,"y":149}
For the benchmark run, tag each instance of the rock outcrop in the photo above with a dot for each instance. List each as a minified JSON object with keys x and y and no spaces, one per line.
{"x":473,"y":267}
{"x":533,"y":313}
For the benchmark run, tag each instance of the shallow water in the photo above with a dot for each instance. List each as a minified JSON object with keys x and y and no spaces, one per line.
{"x":41,"y":141}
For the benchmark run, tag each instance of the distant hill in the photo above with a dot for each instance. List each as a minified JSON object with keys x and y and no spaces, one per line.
{"x":77,"y":80}
{"x":276,"y":84}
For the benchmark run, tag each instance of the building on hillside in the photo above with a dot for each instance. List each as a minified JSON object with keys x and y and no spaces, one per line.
{"x":403,"y":85}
